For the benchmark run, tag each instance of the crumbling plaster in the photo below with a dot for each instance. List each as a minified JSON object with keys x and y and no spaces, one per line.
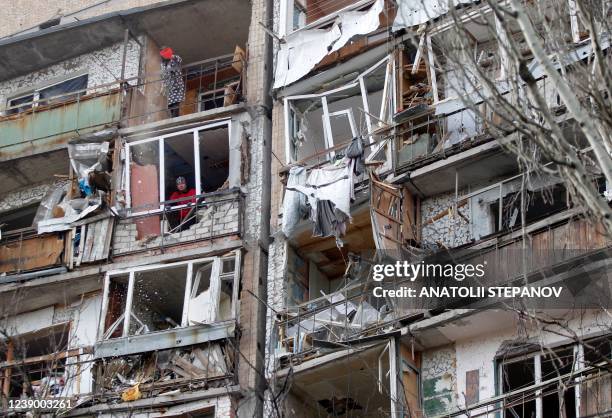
{"x":439,"y":381}
{"x":102,"y":66}
{"x":451,"y":230}
{"x":479,"y":353}
{"x":27,"y":195}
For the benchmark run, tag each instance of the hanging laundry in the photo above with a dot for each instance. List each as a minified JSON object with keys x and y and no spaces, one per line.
{"x":329,"y":183}
{"x":294,"y":205}
{"x":354,"y":152}
{"x":329,"y":192}
{"x":329,"y":221}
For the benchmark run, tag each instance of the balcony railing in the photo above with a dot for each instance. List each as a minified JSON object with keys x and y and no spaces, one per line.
{"x":69,"y":114}
{"x":210,"y":84}
{"x":357,"y":310}
{"x":24,"y":250}
{"x":215,"y":215}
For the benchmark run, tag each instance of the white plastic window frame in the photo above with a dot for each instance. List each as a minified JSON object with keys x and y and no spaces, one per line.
{"x":131,"y":272}
{"x":286,"y":16}
{"x":162,"y":175}
{"x":388,"y":99}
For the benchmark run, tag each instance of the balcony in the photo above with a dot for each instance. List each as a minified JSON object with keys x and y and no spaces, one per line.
{"x":578,"y":260}
{"x":44,"y":127}
{"x":25,"y":251}
{"x":214,"y":215}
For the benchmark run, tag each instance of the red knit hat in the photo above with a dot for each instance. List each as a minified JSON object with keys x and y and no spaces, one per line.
{"x":166,"y":53}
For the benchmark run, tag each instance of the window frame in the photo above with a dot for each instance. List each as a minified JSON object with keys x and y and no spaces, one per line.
{"x":35,"y":93}
{"x":217,"y":261}
{"x":161,"y":166}
{"x":578,"y":350}
{"x":388,"y":98}
{"x":286,"y":16}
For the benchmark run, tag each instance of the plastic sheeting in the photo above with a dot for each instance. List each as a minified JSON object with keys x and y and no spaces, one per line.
{"x":294,"y":204}
{"x":413,"y":13}
{"x":51,"y":199}
{"x":304,"y":49}
{"x":88,"y":157}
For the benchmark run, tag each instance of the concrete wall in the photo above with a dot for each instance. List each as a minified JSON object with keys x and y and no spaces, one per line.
{"x":102,"y":66}
{"x":439,"y":381}
{"x":444,"y":369}
{"x":25,"y":14}
{"x":27,"y":195}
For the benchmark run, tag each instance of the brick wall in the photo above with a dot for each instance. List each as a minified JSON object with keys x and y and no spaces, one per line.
{"x":214,"y":220}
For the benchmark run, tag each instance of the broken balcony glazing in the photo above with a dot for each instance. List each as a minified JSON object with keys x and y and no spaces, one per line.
{"x":160,"y":298}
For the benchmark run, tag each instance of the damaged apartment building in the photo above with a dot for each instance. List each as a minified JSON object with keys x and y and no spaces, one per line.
{"x":373,"y":149}
{"x":115,"y":294}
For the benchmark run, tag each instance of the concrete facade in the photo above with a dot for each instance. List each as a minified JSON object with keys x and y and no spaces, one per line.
{"x":228,"y":240}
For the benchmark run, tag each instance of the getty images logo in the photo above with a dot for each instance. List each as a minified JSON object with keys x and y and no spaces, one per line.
{"x":410,"y":271}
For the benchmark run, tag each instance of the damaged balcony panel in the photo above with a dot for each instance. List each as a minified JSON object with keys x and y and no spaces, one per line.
{"x":52,"y":125}
{"x":154,"y":373}
{"x":32,"y":253}
{"x":169,"y":304}
{"x":215,"y":215}
{"x":304,"y":49}
{"x":324,"y":323}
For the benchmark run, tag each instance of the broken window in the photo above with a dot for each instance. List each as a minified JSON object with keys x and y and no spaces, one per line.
{"x":50,"y":94}
{"x":156,"y":305}
{"x":559,"y":366}
{"x":497,"y":207}
{"x":300,"y":13}
{"x":200,"y":156}
{"x":556,"y":400}
{"x":519,"y":374}
{"x":317,"y":125}
{"x":36,"y":363}
{"x":165,"y":297}
{"x":539,"y":205}
{"x":595,"y":397}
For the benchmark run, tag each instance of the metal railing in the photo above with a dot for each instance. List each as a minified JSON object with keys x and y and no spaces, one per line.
{"x":213,"y":215}
{"x":217,"y":82}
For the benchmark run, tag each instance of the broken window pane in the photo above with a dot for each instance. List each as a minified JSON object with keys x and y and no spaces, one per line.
{"x":19,"y":218}
{"x":117,"y":296}
{"x":554,"y":365}
{"x":517,"y":375}
{"x":41,"y":378}
{"x":158,"y":298}
{"x":203,"y":303}
{"x":144,"y":176}
{"x":214,"y":158}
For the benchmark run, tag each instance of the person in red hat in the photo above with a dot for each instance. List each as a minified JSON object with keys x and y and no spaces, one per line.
{"x":183,"y":191}
{"x":172,"y":79}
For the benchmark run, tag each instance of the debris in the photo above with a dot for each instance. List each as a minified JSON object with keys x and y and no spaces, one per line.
{"x":303,"y":50}
{"x":131,"y":394}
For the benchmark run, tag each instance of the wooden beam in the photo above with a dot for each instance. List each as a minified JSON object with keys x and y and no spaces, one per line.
{"x":10,"y":362}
